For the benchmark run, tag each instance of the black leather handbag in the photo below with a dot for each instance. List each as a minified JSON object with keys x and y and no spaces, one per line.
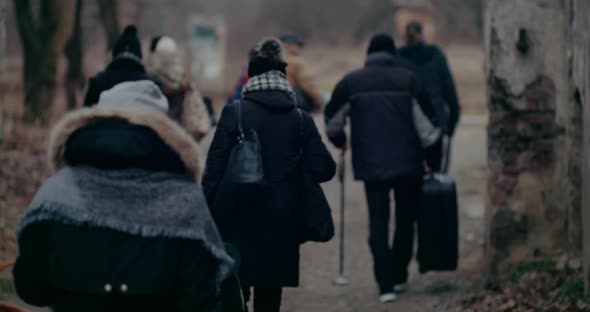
{"x":244,"y":179}
{"x":245,"y":160}
{"x":315,"y":223}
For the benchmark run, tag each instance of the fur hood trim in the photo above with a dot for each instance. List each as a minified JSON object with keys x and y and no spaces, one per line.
{"x":168,"y":130}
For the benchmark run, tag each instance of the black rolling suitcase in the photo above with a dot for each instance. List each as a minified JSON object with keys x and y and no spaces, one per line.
{"x":438,"y":225}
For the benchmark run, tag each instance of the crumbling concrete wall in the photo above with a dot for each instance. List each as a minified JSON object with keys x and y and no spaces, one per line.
{"x":534,"y":130}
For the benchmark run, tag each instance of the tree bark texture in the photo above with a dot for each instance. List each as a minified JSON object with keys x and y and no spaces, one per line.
{"x":43,"y":40}
{"x":109,"y":15}
{"x":74,"y":77}
{"x":2,"y":59}
{"x":534,"y":131}
{"x":580,"y":10}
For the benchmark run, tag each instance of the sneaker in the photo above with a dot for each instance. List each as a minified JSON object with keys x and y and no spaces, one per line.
{"x":388,"y":297}
{"x":401,"y":288}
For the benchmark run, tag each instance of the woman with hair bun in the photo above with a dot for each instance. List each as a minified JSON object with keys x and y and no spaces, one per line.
{"x":265,"y":228}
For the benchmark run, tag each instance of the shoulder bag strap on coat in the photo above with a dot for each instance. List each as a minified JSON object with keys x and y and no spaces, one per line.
{"x":301,"y":130}
{"x":238,"y":106}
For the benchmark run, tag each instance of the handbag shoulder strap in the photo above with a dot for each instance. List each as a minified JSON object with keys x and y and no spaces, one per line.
{"x":238,"y":106}
{"x":300,"y":114}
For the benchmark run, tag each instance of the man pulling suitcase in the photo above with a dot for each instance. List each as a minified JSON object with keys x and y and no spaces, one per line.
{"x":381,"y":101}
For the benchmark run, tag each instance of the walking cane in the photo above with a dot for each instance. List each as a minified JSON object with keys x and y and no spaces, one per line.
{"x":341,"y":280}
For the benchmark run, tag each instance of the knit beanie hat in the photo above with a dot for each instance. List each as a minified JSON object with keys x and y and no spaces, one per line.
{"x":154,"y":42}
{"x":164,"y":62}
{"x":128,"y":43}
{"x":265,"y":57}
{"x":142,"y":95}
{"x":381,"y":42}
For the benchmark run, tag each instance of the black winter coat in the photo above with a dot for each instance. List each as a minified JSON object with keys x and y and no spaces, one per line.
{"x":83,"y":268}
{"x":119,"y":70}
{"x":265,"y":230}
{"x":69,"y":268}
{"x":431,"y":66}
{"x":385,"y":143}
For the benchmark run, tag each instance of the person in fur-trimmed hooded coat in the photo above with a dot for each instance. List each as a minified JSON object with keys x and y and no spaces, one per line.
{"x":122,"y":224}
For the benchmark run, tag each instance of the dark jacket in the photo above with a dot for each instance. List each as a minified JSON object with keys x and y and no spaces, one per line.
{"x":384,"y":140}
{"x":121,"y":69}
{"x":431,"y":66}
{"x":265,"y":230}
{"x":68,"y":268}
{"x":71,"y":266}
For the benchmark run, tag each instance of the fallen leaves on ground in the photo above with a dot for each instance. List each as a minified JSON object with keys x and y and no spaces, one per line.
{"x":22,"y":170}
{"x":531,"y":288}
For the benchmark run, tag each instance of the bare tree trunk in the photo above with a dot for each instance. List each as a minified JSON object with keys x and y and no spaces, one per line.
{"x":581,"y":98}
{"x":532,"y":154}
{"x":2,"y":57}
{"x":74,"y":80}
{"x":42,"y":41}
{"x":110,"y":20}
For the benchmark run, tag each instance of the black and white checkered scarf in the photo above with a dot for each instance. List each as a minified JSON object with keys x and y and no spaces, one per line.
{"x":272,"y":80}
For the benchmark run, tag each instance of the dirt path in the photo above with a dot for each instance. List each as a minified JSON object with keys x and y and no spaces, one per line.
{"x":432,"y":292}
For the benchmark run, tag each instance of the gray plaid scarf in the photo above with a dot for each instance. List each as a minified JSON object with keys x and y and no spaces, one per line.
{"x":271,"y":80}
{"x":133,"y":201}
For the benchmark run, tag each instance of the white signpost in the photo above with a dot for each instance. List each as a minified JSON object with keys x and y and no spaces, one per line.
{"x":207,"y":44}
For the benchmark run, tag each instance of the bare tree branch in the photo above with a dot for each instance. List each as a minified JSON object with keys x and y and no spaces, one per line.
{"x":109,"y":14}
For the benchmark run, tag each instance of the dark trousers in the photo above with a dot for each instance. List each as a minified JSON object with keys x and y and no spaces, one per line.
{"x":266,"y":299}
{"x":391,"y":264}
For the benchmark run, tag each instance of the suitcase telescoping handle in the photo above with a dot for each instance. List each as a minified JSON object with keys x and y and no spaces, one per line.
{"x":446,"y":159}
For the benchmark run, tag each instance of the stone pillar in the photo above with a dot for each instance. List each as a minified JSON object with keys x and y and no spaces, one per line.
{"x":530,"y":132}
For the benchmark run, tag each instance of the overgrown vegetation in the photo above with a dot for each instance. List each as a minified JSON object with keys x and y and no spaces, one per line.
{"x":575,"y":289}
{"x":6,"y":287}
{"x":520,"y":269}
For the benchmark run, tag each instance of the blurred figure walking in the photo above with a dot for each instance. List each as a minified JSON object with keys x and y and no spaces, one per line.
{"x":186,"y":104}
{"x":126,"y":65}
{"x":430,"y":65}
{"x":308,"y":96}
{"x":264,"y":226}
{"x":381,"y":100}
